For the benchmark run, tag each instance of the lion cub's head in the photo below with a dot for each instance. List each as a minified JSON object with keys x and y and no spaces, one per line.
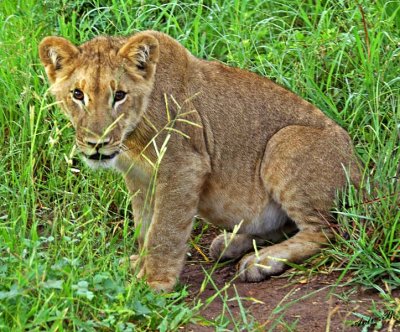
{"x":103,"y":87}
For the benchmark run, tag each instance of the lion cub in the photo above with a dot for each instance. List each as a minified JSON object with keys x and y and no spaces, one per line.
{"x":237,"y":149}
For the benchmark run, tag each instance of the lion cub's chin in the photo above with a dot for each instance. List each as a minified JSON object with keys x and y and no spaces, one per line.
{"x":99,"y":164}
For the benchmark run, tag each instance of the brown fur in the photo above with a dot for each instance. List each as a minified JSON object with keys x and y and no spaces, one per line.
{"x":259,"y":156}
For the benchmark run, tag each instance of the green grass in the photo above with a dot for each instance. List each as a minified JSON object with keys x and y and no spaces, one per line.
{"x":63,"y":227}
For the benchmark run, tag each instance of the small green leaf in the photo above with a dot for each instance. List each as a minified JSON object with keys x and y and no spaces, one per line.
{"x":54,"y":284}
{"x":140,"y":309}
{"x":13,"y":292}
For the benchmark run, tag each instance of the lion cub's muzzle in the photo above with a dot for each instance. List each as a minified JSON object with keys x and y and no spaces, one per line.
{"x":99,"y":150}
{"x":99,"y":156}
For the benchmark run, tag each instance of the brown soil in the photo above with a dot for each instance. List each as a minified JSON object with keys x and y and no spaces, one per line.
{"x":285,"y":303}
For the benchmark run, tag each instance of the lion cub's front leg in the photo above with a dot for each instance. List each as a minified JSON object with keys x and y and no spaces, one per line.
{"x":165,"y":245}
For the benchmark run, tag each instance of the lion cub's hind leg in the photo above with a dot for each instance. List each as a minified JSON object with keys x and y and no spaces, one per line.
{"x":303,"y":169}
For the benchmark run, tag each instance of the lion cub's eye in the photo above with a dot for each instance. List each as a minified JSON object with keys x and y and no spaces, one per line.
{"x":119,"y":95}
{"x":78,"y":94}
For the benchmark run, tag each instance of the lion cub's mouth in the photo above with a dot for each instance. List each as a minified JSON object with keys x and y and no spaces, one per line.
{"x":98,"y":156}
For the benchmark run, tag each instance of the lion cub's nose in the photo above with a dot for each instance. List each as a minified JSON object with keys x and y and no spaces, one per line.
{"x":98,"y":143}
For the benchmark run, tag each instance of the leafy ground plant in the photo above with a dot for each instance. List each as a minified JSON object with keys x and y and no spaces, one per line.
{"x":64,"y":228}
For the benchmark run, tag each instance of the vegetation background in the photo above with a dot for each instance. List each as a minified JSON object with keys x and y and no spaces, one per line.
{"x":63,"y":227}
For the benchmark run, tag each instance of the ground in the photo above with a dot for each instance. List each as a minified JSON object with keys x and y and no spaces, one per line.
{"x":289,"y":302}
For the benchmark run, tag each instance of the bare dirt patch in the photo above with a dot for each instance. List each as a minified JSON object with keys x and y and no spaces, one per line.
{"x":304,"y":303}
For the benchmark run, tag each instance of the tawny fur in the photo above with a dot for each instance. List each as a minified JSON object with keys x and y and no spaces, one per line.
{"x":243,"y":150}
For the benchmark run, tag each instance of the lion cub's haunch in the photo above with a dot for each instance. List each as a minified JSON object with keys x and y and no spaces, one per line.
{"x":240,"y":149}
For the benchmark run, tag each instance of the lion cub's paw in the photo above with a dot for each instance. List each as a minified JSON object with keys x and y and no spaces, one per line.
{"x":166,"y":284}
{"x":257,"y":267}
{"x":133,"y":261}
{"x":230,"y":246}
{"x":162,"y":285}
{"x":217,"y":248}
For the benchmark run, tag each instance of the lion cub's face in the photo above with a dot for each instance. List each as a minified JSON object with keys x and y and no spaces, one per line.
{"x":103,"y":87}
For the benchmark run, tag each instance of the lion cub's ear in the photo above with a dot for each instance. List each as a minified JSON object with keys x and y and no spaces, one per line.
{"x":143,"y":52}
{"x":55,"y":53}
